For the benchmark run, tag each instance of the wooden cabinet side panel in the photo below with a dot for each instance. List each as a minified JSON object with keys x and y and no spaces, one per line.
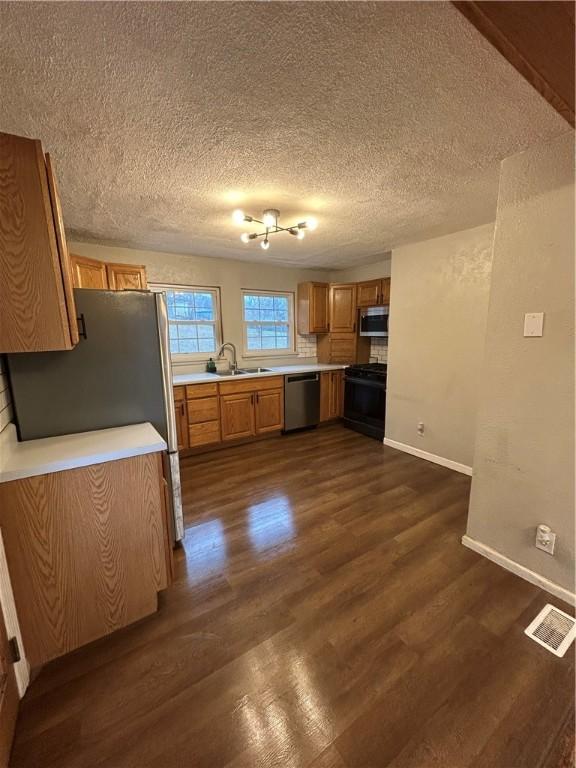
{"x":33,"y":313}
{"x":181,"y":412}
{"x":65,"y":266}
{"x":85,"y":549}
{"x":304,"y":313}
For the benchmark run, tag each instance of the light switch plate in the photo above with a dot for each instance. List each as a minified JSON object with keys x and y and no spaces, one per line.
{"x":533,"y":323}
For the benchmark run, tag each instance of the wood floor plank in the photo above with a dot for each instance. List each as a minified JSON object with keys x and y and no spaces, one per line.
{"x":324,"y":614}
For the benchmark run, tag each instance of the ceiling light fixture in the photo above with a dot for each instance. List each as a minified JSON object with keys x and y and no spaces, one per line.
{"x":270,"y":221}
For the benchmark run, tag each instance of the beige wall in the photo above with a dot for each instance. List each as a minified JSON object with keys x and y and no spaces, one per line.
{"x":380,"y":268}
{"x":524,"y":461}
{"x":230,"y":276}
{"x":438,"y":306}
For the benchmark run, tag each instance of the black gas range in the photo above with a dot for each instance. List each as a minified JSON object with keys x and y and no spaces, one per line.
{"x":365,"y":398}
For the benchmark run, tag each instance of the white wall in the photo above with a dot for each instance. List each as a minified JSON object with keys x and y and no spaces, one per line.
{"x":438,"y":306}
{"x":524,"y":461}
{"x":230,"y":276}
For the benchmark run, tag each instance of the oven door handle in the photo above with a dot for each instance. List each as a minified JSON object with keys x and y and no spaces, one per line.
{"x":366,"y":382}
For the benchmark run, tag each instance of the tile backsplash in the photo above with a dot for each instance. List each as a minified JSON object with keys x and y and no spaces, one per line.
{"x":379,"y":350}
{"x":306,"y":345}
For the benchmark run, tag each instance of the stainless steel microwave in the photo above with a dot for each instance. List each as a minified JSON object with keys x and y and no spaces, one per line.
{"x":374,"y":321}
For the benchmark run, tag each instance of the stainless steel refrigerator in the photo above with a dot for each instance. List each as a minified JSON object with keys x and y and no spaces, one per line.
{"x":118,"y":374}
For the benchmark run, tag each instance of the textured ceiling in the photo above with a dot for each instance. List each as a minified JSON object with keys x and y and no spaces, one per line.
{"x":385,"y":120}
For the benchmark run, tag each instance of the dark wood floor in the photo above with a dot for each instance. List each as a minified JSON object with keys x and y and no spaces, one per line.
{"x":324,"y":614}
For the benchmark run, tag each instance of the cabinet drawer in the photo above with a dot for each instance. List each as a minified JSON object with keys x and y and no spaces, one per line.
{"x":202,"y":434}
{"x":203,"y":409}
{"x":179,"y":393}
{"x":201,"y":390}
{"x":251,"y":385}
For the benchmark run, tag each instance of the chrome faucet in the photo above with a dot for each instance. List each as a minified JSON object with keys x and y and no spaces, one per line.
{"x":229,"y":345}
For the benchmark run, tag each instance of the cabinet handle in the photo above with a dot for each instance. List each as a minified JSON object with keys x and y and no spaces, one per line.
{"x":82,"y":326}
{"x":257,"y":397}
{"x":183,"y":408}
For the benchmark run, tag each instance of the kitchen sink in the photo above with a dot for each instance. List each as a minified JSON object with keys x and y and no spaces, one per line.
{"x":229,"y":373}
{"x":256,"y":370}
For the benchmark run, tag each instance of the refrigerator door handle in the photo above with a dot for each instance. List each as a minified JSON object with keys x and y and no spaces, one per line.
{"x":162,"y":316}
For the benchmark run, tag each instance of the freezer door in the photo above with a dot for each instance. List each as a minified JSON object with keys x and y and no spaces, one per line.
{"x":116,"y":374}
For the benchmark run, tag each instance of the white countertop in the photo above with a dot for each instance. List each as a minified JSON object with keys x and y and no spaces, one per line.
{"x":281,"y":370}
{"x":56,"y":454}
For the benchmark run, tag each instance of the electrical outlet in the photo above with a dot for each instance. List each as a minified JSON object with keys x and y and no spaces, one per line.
{"x":420,"y":428}
{"x":545,"y":539}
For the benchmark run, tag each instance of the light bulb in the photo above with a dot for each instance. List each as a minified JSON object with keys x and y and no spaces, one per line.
{"x":238,"y":216}
{"x":269,"y":220}
{"x":265,"y":244}
{"x":245,"y":237}
{"x":311,"y":223}
{"x":301,"y":234}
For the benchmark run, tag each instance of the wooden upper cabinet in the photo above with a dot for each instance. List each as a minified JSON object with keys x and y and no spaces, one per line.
{"x":126,"y":277}
{"x":374,"y":293}
{"x":88,"y":273}
{"x":343,"y":308}
{"x":37,"y":310}
{"x":313,"y":311}
{"x":269,"y":410}
{"x":386,"y":290}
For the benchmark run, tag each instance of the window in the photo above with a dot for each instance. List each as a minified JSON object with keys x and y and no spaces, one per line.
{"x":193,"y":320}
{"x":268,"y":322}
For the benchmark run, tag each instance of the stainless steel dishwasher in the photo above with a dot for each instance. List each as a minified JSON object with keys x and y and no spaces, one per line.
{"x":301,"y":400}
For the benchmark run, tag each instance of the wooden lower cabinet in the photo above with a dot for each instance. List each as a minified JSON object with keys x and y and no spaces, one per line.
{"x":232,"y":410}
{"x":86,"y":550}
{"x":181,"y":417}
{"x":269,"y":411}
{"x":331,"y":395}
{"x":237,"y":415}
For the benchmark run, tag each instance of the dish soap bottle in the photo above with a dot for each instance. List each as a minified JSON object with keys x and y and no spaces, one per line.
{"x":211,"y":366}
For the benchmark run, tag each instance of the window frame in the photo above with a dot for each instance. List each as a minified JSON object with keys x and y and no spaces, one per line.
{"x":254,"y":353}
{"x":184,"y":358}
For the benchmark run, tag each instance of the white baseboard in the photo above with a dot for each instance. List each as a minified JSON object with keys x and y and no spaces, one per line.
{"x":456,"y":466}
{"x":520,"y":570}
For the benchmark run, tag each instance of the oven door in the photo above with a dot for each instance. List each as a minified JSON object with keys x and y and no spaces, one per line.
{"x":374,"y":321}
{"x":365,"y":406}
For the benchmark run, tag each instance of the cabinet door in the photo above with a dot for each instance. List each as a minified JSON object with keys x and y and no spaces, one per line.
{"x":319,"y":314}
{"x":343,"y":348}
{"x":34,"y":311}
{"x":237,"y":415}
{"x":369,"y":293}
{"x":181,"y":419}
{"x":325,"y":395}
{"x":269,"y":410}
{"x":343,"y":308}
{"x":386,"y":291}
{"x":88,"y":273}
{"x":336,"y":394}
{"x":126,"y":277}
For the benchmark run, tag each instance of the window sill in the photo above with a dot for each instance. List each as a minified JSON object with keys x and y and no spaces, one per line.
{"x":261,"y":355}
